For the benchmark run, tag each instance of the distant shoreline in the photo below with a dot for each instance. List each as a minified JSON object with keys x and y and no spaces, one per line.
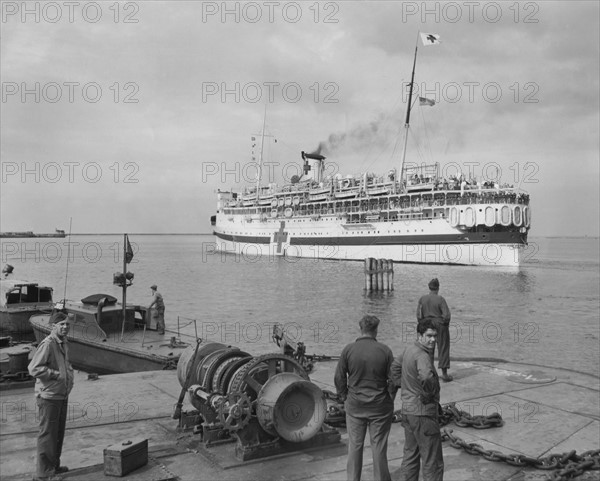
{"x":210,"y":234}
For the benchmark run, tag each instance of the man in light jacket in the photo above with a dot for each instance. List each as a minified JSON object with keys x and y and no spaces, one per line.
{"x":54,"y":380}
{"x":415,"y":374}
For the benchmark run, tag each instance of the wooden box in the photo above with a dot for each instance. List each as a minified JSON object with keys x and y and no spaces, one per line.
{"x":123,"y":458}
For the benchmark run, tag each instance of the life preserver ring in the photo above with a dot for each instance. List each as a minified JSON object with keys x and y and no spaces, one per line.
{"x":505,"y":215}
{"x":288,"y":212}
{"x":454,"y":216}
{"x":517,"y":215}
{"x":490,"y":216}
{"x":526,"y":216}
{"x":469,"y":217}
{"x":273,"y":213}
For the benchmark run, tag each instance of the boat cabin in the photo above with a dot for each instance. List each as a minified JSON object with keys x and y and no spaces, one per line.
{"x":14,"y":293}
{"x":99,"y":315}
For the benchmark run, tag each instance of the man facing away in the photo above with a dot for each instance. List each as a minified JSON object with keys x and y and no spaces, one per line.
{"x":433,"y":306}
{"x":158,"y":303}
{"x":363,"y":381}
{"x":53,"y":382}
{"x":415,"y":373}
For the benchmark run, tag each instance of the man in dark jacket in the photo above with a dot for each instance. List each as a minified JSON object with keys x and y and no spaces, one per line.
{"x":363,"y":381}
{"x":415,"y":373}
{"x":433,"y":306}
{"x":54,"y":380}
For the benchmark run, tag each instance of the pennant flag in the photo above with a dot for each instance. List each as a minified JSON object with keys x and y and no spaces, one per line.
{"x":128,"y":250}
{"x":426,"y":102}
{"x":430,"y":39}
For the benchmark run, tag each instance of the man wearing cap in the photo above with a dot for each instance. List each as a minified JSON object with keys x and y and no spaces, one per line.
{"x":157,"y":301}
{"x":53,"y":382}
{"x":433,"y":306}
{"x":363,"y":380}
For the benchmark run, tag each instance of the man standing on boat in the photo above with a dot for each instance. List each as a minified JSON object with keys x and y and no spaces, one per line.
{"x":54,"y":380}
{"x":415,"y":374}
{"x":159,"y":305}
{"x":363,"y":381}
{"x":433,"y":306}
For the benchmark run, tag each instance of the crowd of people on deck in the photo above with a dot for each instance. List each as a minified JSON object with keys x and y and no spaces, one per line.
{"x":455,"y":183}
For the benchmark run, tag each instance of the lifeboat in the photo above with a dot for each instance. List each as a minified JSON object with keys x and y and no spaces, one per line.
{"x":505,"y":215}
{"x":454,"y":215}
{"x":517,"y":215}
{"x":469,"y":217}
{"x":490,"y":216}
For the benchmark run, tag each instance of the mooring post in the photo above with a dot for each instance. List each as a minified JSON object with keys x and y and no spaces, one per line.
{"x":368,"y":284}
{"x":379,"y":274}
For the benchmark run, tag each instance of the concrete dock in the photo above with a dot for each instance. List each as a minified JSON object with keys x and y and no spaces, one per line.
{"x":545,"y":411}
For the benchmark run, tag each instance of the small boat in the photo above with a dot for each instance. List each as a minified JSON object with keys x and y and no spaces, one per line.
{"x":99,"y":341}
{"x":19,"y":300}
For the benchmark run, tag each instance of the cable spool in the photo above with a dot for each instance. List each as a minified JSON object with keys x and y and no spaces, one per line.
{"x":259,"y":400}
{"x":291,"y":407}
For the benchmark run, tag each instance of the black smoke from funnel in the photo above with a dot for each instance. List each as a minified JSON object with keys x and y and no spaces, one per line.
{"x":361,"y":137}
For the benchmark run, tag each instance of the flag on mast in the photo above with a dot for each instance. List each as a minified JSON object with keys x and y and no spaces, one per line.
{"x":426,"y":102}
{"x":430,"y":39}
{"x":128,"y":250}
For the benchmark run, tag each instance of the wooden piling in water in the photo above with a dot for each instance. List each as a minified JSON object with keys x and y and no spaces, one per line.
{"x":379,"y":274}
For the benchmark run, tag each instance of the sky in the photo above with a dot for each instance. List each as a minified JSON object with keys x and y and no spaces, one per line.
{"x":128,"y":117}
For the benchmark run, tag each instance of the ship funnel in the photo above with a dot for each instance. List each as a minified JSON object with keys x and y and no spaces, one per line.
{"x":315,"y":156}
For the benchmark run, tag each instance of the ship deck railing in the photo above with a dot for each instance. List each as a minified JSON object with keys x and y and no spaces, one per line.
{"x":430,"y":199}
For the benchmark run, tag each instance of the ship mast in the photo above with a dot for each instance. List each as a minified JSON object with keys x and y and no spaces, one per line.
{"x":407,"y":121}
{"x":260,"y":159}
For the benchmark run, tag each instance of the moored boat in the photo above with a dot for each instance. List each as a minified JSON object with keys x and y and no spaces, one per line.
{"x":19,"y":300}
{"x":100,"y":342}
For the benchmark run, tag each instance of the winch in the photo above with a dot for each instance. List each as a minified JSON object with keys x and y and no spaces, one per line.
{"x":266,"y":403}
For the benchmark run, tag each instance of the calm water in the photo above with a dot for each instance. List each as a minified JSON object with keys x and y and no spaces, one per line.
{"x":546,"y":312}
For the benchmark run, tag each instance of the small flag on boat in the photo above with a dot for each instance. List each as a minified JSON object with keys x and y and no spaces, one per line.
{"x":128,"y":250}
{"x":426,"y":102}
{"x":430,"y":38}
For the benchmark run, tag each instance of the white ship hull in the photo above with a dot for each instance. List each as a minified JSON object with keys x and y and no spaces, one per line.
{"x":432,"y":241}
